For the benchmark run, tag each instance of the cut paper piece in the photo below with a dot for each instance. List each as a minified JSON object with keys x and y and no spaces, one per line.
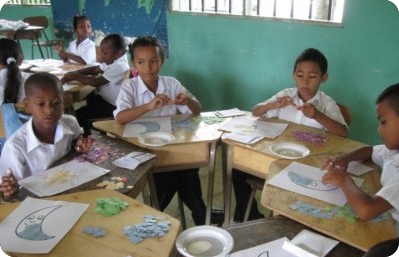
{"x":115,"y":183}
{"x":310,"y":137}
{"x":211,"y":119}
{"x":358,"y":169}
{"x":94,"y":231}
{"x":101,"y":152}
{"x":34,"y":227}
{"x":185,"y":124}
{"x":250,"y":126}
{"x":283,"y":180}
{"x":61,"y":178}
{"x":151,"y":227}
{"x":110,"y":206}
{"x":69,"y":86}
{"x":230,"y":113}
{"x":146,"y":125}
{"x":132,"y":160}
{"x":242,"y":138}
{"x":270,"y":249}
{"x":310,"y":244}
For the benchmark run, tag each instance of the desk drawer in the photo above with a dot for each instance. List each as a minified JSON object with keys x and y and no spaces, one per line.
{"x":251,"y":162}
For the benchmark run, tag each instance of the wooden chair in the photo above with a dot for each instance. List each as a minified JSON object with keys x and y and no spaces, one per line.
{"x":48,"y":44}
{"x":258,"y":183}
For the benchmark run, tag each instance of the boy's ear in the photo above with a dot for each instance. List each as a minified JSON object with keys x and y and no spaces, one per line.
{"x":324,"y":77}
{"x":26,"y":105}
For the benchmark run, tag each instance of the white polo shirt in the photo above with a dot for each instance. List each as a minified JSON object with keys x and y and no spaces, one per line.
{"x":115,"y":73}
{"x":25,"y":155}
{"x":134,"y":93}
{"x":321,"y":101}
{"x":86,"y":49}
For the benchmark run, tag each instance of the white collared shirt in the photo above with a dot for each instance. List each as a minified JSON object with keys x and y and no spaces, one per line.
{"x":115,"y":73}
{"x":134,"y":93}
{"x":388,"y":160}
{"x":321,"y":101}
{"x":86,"y":49}
{"x":3,"y":79}
{"x":25,"y":155}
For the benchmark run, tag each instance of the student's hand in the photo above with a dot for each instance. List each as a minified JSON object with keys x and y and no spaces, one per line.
{"x":68,"y":77}
{"x":182,"y":99}
{"x":58,"y":48}
{"x":309,"y":110}
{"x":83,"y":144}
{"x":282,"y":102}
{"x":160,"y":101}
{"x":9,"y":184}
{"x":336,"y":177}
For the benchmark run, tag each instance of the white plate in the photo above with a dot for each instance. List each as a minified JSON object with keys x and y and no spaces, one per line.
{"x":204,"y":241}
{"x":158,"y":138}
{"x":289,"y":150}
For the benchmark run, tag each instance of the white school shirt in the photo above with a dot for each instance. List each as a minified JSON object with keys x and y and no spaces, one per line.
{"x":115,"y":73}
{"x":321,"y":101}
{"x":3,"y":79}
{"x":388,"y":160}
{"x":25,"y":155}
{"x":134,"y":93}
{"x":86,"y":49}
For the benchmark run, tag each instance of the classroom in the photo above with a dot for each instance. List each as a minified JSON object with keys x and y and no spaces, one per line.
{"x":230,"y":61}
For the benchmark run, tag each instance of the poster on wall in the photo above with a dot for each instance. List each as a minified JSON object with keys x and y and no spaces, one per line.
{"x":130,"y":18}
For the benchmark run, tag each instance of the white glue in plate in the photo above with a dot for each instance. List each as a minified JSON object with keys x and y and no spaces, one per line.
{"x":289,"y":150}
{"x":158,"y":138}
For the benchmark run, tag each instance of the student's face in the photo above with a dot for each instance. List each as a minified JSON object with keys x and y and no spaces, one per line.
{"x":109,"y":54}
{"x":147,"y":63}
{"x":46,"y":107}
{"x":83,"y":29}
{"x":389,"y":125}
{"x":308,"y":78}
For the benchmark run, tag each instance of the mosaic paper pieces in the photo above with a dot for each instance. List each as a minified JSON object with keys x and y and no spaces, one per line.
{"x":110,"y":206}
{"x":309,"y":137}
{"x":94,"y":231}
{"x":151,"y":227}
{"x":101,"y":153}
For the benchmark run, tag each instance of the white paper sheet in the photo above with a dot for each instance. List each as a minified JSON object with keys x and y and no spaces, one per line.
{"x":307,"y":180}
{"x":242,"y":138}
{"x":132,"y":160}
{"x":254,"y":127}
{"x":35,"y":227}
{"x":145,"y":125}
{"x":270,"y":249}
{"x":230,"y":113}
{"x":69,"y":86}
{"x":45,"y":62}
{"x":62,"y":178}
{"x":358,"y":169}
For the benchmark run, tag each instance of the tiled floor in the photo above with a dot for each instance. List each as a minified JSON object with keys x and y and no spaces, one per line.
{"x":173,"y":209}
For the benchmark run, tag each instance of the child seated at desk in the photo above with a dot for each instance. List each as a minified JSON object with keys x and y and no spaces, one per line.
{"x":386,"y":156}
{"x":82,"y":49}
{"x":114,"y":69}
{"x":44,"y":138}
{"x":11,"y":78}
{"x":151,"y":95}
{"x":305,"y":104}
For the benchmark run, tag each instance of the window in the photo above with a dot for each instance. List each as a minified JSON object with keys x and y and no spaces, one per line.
{"x":313,"y":10}
{"x":28,"y":2}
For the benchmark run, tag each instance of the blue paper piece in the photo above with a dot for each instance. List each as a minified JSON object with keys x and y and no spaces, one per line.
{"x":151,"y":227}
{"x":94,"y":231}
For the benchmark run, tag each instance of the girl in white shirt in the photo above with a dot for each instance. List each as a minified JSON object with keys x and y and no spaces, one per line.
{"x":82,"y":49}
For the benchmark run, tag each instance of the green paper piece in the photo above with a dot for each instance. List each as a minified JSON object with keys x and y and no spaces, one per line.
{"x":110,"y":206}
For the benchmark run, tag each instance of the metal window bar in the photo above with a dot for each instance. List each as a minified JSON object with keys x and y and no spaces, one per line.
{"x":310,"y":9}
{"x":330,"y":6}
{"x":292,"y":9}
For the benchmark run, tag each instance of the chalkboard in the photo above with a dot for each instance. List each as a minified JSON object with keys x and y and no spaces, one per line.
{"x":130,"y":18}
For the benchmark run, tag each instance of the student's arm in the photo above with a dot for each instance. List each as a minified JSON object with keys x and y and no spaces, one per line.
{"x":70,"y":56}
{"x":130,"y":114}
{"x":341,"y":162}
{"x":192,"y":103}
{"x":82,"y":76}
{"x":280,"y":102}
{"x":332,"y":126}
{"x":365,"y":206}
{"x":9,"y":185}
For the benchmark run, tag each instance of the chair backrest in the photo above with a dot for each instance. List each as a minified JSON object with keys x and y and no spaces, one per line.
{"x":346,"y":113}
{"x":11,"y":119}
{"x":41,"y":21}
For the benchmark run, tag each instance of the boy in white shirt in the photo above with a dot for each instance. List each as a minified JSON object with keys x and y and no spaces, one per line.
{"x":42,"y":140}
{"x":113,"y":70}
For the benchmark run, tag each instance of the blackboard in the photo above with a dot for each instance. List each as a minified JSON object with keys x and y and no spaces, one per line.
{"x":130,"y":18}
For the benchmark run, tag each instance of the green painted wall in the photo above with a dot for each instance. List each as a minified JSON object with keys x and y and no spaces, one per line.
{"x":235,"y":62}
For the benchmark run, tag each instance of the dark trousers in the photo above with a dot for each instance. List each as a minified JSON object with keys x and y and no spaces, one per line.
{"x":96,"y":108}
{"x":187,"y":184}
{"x":242,"y":191}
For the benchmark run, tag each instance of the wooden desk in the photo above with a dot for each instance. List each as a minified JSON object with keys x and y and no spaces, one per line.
{"x":256,"y":159}
{"x":114,"y":244}
{"x":30,"y":31}
{"x":191,"y":149}
{"x":359,"y":234}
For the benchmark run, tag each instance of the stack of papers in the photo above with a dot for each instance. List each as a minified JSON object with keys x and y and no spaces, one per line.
{"x":132,"y":160}
{"x":230,"y":113}
{"x":242,"y":138}
{"x":305,"y":244}
{"x":61,"y":178}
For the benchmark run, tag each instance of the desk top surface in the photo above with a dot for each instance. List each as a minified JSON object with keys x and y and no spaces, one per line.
{"x":76,"y":243}
{"x":360,"y":234}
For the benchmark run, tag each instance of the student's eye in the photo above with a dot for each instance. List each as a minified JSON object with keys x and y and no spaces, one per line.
{"x":155,"y":61}
{"x":140,"y":62}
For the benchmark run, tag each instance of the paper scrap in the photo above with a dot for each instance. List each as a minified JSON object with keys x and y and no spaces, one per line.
{"x":110,"y":206}
{"x":151,"y":227}
{"x":94,"y":231}
{"x":242,"y":138}
{"x":358,"y":169}
{"x":132,"y":160}
{"x":230,"y":113}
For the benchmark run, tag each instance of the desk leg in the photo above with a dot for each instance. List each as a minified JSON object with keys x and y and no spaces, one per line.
{"x":228,"y":185}
{"x":211,"y":182}
{"x":38,"y":46}
{"x":153,"y":190}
